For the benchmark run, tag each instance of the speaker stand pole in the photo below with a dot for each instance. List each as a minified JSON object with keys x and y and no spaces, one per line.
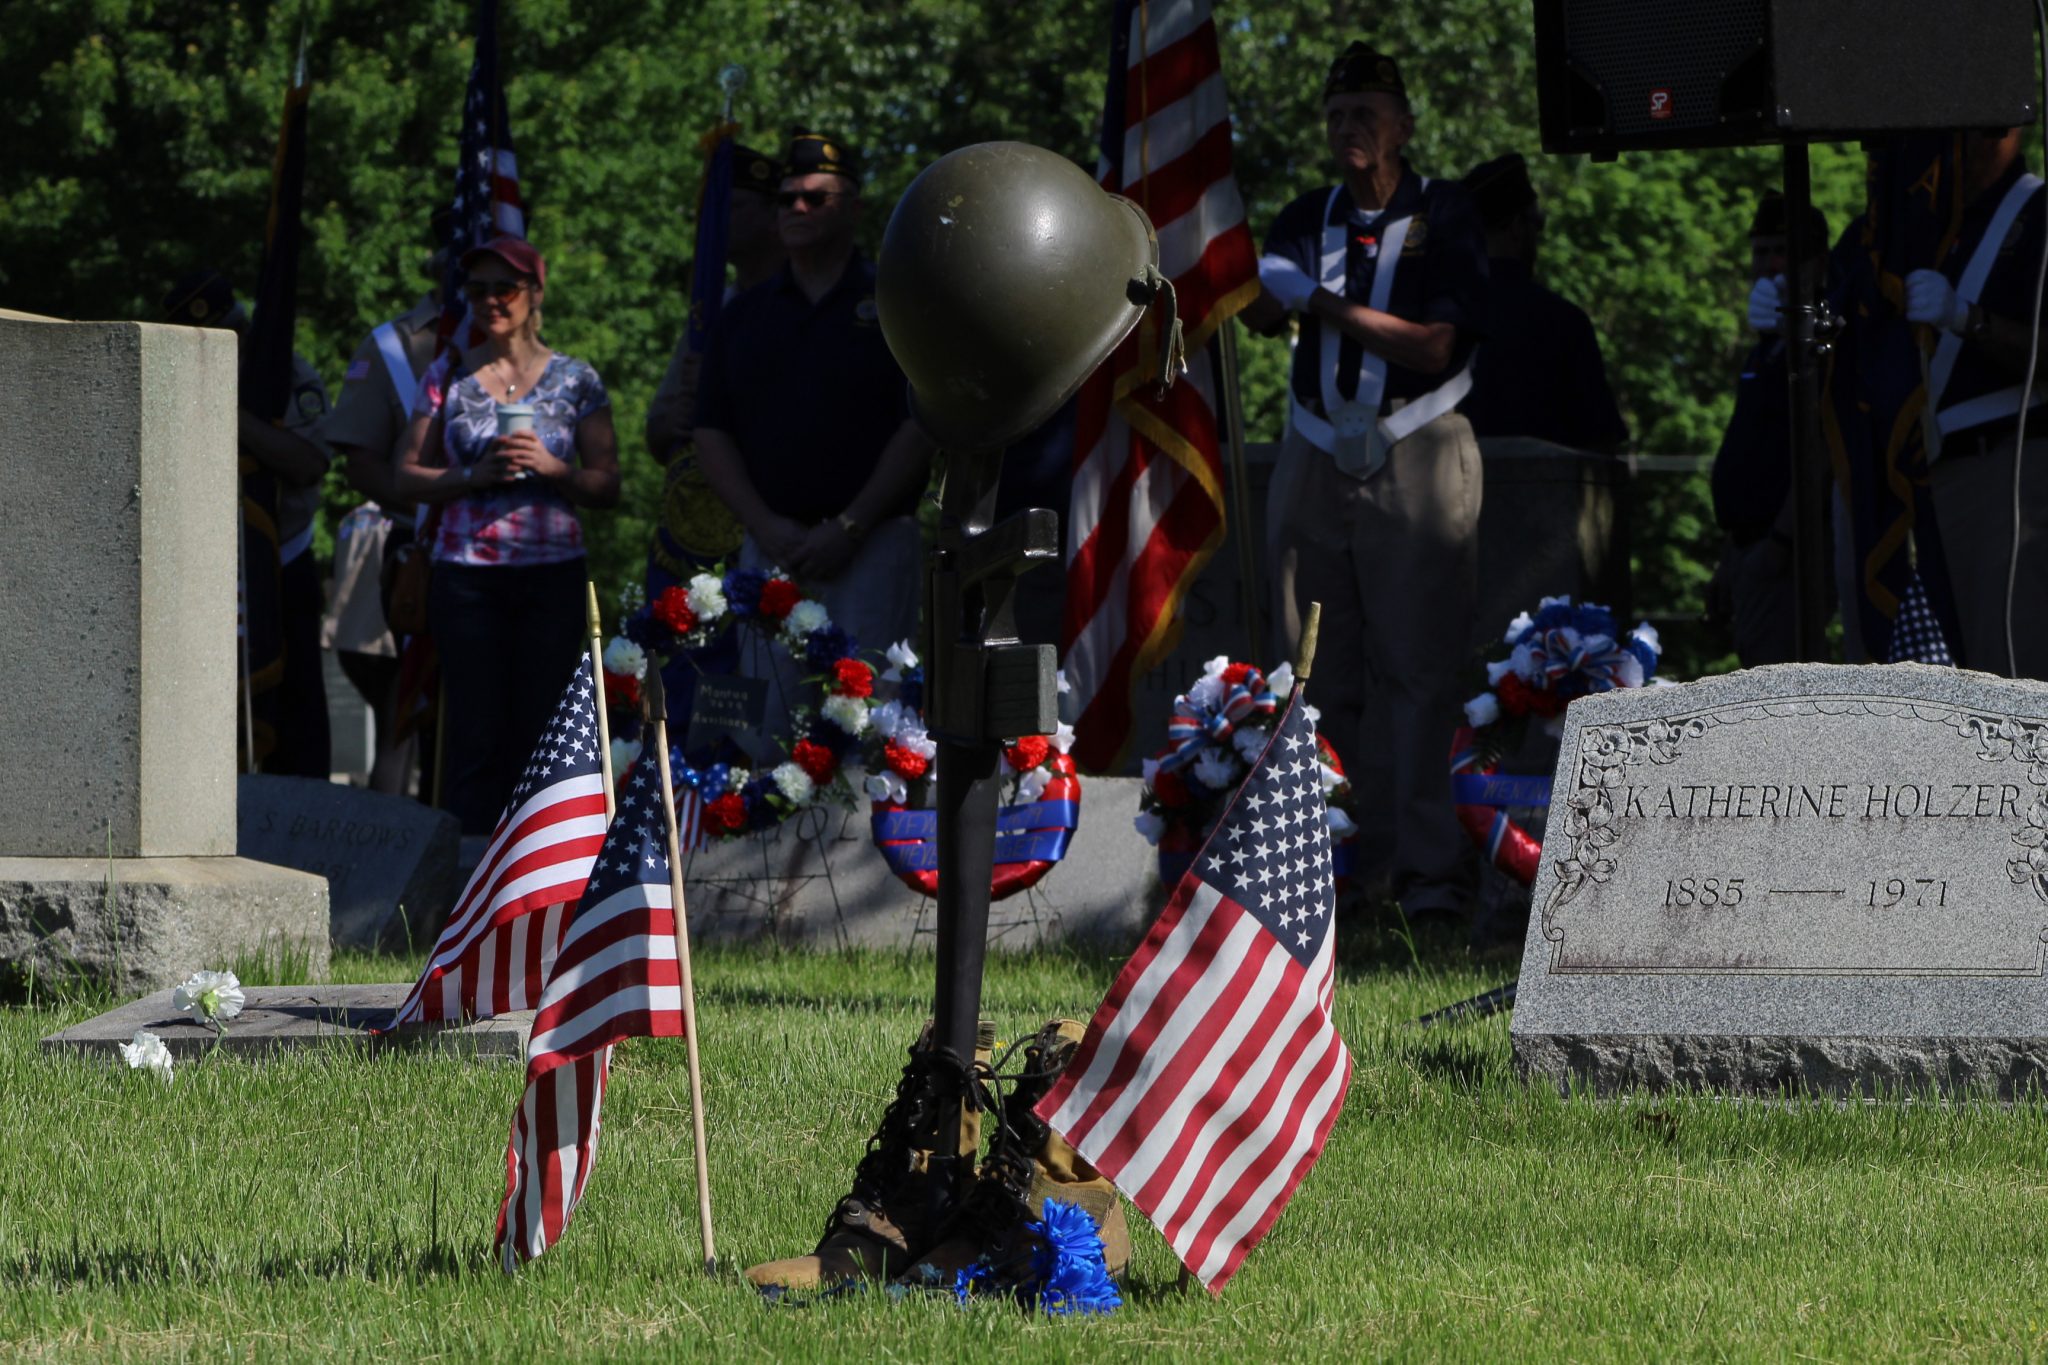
{"x":1812,"y":560}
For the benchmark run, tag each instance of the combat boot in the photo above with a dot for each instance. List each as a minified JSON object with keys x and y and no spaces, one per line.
{"x":1027,"y":1164}
{"x":902,"y":1193}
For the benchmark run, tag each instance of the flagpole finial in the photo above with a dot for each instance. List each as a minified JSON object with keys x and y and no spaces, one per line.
{"x":1308,"y":641}
{"x":592,"y":619}
{"x":732,"y":78}
{"x":653,"y":698}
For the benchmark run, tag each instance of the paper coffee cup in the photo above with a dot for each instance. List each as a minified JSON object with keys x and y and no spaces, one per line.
{"x":514,"y":417}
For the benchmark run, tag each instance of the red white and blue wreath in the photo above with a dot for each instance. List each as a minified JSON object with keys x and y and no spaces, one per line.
{"x":827,"y":724}
{"x":1042,"y":795}
{"x":1216,"y":732}
{"x":1561,"y":653}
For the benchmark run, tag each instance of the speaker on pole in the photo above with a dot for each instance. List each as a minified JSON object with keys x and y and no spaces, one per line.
{"x":1640,"y":75}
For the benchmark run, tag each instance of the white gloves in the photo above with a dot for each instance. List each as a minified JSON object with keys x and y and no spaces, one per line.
{"x":1766,"y":297}
{"x":1287,"y":282}
{"x":1930,"y":298}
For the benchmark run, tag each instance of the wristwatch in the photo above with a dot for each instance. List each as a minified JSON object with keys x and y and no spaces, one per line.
{"x":854,"y":530}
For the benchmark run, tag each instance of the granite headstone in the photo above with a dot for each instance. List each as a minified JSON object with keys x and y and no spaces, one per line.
{"x":390,"y":863}
{"x":1800,"y":878}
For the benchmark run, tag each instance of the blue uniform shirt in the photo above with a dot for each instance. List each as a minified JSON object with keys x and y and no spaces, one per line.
{"x":2008,"y":292}
{"x":808,"y":391}
{"x":1441,"y":277}
{"x":1540,"y":372}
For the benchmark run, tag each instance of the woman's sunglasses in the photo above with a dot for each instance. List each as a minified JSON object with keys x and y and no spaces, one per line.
{"x":812,"y":199}
{"x":479,"y":290}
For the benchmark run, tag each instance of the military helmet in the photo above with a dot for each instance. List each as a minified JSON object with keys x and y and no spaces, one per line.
{"x":1006,"y":276}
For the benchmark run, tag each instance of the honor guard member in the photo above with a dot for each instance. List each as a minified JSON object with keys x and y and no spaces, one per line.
{"x":1752,"y":478}
{"x":292,"y":452}
{"x":1539,"y":372}
{"x":695,"y":530}
{"x":1982,"y":302}
{"x":803,"y":421}
{"x":377,"y":395}
{"x":1374,"y":509}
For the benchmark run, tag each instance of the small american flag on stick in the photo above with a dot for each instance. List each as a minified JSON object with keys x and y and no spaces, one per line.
{"x":1212,"y":1074}
{"x":493,"y":955}
{"x":617,"y":977}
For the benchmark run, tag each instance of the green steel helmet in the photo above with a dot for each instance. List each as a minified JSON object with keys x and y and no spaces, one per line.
{"x":1006,"y":276}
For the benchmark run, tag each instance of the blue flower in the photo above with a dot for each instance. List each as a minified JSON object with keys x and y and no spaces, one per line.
{"x":911,"y":690}
{"x":743,"y":590}
{"x":1594,"y":619}
{"x":827,"y":645}
{"x":1071,"y":1274}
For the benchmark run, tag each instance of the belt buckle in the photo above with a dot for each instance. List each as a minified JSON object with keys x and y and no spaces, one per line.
{"x":1361,"y":450}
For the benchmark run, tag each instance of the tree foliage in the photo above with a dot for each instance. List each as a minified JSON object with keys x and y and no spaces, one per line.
{"x":140,"y":134}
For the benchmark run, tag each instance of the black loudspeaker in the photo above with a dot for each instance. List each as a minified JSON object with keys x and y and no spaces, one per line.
{"x":1638,"y":75}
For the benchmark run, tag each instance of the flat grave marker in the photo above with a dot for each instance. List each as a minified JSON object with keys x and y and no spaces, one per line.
{"x":285,"y":1018}
{"x":1805,"y":877}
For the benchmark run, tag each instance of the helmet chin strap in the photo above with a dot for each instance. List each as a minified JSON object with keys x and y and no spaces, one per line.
{"x":1173,"y":359}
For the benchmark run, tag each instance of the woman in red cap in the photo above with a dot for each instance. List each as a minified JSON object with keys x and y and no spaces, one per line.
{"x":508,"y":441}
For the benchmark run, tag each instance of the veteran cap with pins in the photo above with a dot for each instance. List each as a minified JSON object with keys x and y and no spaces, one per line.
{"x":1362,"y":70}
{"x":819,"y":154}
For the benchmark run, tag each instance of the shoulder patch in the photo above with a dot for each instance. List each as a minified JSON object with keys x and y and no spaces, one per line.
{"x":310,"y":402}
{"x":1418,"y":235}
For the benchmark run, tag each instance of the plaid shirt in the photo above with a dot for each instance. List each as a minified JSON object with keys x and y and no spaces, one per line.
{"x":527,"y":522}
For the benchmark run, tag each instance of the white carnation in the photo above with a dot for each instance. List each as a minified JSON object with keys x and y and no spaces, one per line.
{"x":1281,"y":680}
{"x":885,"y":786}
{"x":918,"y":740}
{"x":1063,"y":737}
{"x":1248,"y":741}
{"x":793,"y":782}
{"x":1341,"y":825}
{"x":848,"y":713}
{"x":1031,"y":785}
{"x":1150,"y":825}
{"x":146,"y":1051}
{"x":625,"y":752}
{"x":1647,"y":634}
{"x":1515,"y":628}
{"x":902,"y":656}
{"x":1314,"y":714}
{"x":805,"y":617}
{"x":1482,"y":711}
{"x":1059,"y":679}
{"x":1214,"y":667}
{"x":889,"y":718}
{"x":1207,"y":693}
{"x":1332,"y":779}
{"x":1497,"y":670}
{"x":210,"y":997}
{"x":625,"y":658}
{"x":707,"y":597}
{"x":1215,"y":769}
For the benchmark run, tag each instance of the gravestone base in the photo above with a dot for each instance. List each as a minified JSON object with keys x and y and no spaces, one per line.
{"x":285,"y":1018}
{"x":1888,"y":1068}
{"x":137,"y":924}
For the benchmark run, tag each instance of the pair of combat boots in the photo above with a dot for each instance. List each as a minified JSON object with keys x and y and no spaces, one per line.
{"x":916,"y":1216}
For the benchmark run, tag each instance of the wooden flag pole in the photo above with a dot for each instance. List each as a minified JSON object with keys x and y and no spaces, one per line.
{"x":656,"y":702}
{"x":604,"y":725}
{"x":1309,"y":628}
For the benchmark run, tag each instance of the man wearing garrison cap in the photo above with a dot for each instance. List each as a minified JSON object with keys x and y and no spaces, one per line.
{"x":803,"y":422}
{"x":1539,"y":372}
{"x":1374,"y":508}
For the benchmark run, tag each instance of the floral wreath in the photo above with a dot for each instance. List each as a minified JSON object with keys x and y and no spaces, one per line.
{"x":1218,"y":729}
{"x":1042,"y":799}
{"x":1561,"y":653}
{"x":739,"y":798}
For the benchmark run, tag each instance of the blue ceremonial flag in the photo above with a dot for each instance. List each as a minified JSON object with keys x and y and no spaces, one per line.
{"x":714,"y":222}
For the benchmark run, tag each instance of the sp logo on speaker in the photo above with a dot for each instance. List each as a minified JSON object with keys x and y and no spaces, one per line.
{"x":1660,"y":102}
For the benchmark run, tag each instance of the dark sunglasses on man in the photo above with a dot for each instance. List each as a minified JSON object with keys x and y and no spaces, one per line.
{"x":479,"y":290}
{"x":812,"y":199}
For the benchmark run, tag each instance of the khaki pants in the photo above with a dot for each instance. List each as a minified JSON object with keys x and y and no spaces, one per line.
{"x":1973,"y":509}
{"x":1394,"y":561}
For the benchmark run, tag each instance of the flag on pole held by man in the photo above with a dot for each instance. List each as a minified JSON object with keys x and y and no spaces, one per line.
{"x":1147,"y":509}
{"x":508,"y":925}
{"x":1212,"y":1073}
{"x":266,"y":382}
{"x":617,"y":977}
{"x":714,"y":229}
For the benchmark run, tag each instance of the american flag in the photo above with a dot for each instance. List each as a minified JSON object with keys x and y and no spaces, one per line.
{"x":487,"y":200}
{"x":1212,"y":1074}
{"x":1147,"y":509}
{"x":507,"y":927}
{"x":617,"y":978}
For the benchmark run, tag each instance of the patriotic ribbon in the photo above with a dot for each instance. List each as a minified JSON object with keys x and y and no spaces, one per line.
{"x":1190,"y":728}
{"x":1037,"y":832}
{"x":1598,"y":659}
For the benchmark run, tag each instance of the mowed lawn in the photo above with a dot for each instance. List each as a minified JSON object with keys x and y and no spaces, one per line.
{"x":330,"y":1206}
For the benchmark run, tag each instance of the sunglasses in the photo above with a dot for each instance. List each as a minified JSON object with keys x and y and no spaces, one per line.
{"x":479,"y":290}
{"x":812,"y":199}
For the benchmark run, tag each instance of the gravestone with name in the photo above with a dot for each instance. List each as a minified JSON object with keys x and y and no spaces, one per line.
{"x":117,"y":680}
{"x":390,"y":863}
{"x":1806,"y":878}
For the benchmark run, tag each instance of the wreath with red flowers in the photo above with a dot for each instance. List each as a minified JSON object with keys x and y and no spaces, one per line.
{"x":1042,"y":805}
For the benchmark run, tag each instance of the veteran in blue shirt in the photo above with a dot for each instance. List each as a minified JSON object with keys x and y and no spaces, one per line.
{"x":1374,"y":509}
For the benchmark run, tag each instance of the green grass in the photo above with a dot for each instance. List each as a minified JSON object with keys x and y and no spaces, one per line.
{"x":326,"y":1206}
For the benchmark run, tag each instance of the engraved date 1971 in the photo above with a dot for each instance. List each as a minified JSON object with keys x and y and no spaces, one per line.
{"x":1727,"y":893}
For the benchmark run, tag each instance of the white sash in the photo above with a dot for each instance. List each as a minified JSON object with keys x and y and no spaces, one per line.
{"x":2001,"y":402}
{"x":404,"y":382}
{"x":1350,"y":419}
